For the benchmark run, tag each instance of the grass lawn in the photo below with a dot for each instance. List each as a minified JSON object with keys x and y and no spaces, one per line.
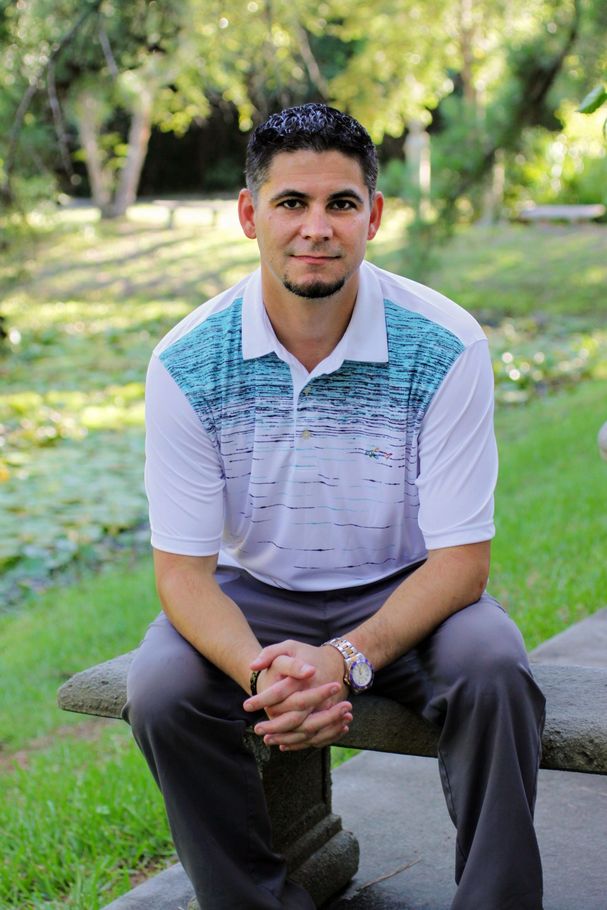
{"x":80,"y":817}
{"x":80,"y":813}
{"x":548,"y":565}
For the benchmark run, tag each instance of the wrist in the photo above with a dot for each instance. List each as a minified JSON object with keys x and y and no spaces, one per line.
{"x":336,"y":670}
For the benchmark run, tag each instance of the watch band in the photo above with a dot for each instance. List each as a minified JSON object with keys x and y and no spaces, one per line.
{"x":352,"y":656}
{"x":253,"y":681}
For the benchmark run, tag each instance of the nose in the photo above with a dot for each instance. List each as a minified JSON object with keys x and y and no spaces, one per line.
{"x":316,"y":225}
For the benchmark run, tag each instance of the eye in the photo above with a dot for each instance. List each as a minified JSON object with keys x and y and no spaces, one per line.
{"x":343,"y":205}
{"x":290,"y":204}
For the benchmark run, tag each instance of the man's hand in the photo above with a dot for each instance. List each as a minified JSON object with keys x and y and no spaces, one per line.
{"x":302,"y":691}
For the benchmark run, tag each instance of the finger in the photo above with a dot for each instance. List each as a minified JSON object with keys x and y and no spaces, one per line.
{"x":299,"y":740}
{"x":268,"y":654}
{"x":310,"y":723}
{"x":322,"y":724}
{"x":314,"y":699}
{"x":273,"y":695}
{"x":283,"y":723}
{"x":286,"y":665}
{"x":319,"y":720}
{"x":302,"y":703}
{"x":296,"y":708}
{"x":318,"y":742}
{"x":293,"y":666}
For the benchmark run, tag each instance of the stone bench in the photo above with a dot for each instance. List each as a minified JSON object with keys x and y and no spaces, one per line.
{"x":574,"y":214}
{"x":320,"y":854}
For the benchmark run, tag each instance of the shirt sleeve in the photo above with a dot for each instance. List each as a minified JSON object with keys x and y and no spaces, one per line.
{"x":184,"y":479}
{"x":458,"y":455}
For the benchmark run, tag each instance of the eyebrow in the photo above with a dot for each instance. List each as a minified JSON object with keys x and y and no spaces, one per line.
{"x":297,"y":194}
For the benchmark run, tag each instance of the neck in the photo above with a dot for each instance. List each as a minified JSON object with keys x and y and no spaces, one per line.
{"x":310,"y":329}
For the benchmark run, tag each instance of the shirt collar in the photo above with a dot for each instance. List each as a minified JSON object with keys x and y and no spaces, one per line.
{"x":365,"y":339}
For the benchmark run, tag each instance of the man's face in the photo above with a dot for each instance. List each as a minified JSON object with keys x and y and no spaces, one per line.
{"x":312,"y":219}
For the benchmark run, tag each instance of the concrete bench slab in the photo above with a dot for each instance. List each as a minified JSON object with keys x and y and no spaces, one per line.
{"x":575,"y":737}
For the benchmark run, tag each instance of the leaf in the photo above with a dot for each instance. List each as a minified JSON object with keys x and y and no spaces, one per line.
{"x":593,"y":100}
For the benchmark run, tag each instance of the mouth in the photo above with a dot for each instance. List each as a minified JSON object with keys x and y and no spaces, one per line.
{"x":313,"y":259}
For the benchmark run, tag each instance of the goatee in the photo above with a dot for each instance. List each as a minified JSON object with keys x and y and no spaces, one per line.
{"x":316,"y":289}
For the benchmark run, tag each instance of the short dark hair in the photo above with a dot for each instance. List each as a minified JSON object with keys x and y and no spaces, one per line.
{"x":317,"y":127}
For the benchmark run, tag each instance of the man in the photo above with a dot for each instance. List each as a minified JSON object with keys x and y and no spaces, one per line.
{"x":323,"y":430}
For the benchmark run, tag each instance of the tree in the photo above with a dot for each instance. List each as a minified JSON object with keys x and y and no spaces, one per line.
{"x":98,"y":75}
{"x":119,"y":69}
{"x":478,"y":74}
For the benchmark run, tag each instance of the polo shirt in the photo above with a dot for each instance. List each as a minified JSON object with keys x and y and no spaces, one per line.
{"x":331,"y":478}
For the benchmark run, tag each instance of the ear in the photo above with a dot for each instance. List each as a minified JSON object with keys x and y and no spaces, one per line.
{"x":246,"y":214}
{"x":377,"y":207}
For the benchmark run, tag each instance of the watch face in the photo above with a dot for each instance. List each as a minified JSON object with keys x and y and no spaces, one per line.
{"x":361,"y":674}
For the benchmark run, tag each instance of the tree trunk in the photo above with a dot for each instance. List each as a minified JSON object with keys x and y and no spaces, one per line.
{"x":88,"y":129}
{"x":493,"y":197}
{"x":138,"y":140}
{"x":466,"y":40}
{"x":417,"y":155}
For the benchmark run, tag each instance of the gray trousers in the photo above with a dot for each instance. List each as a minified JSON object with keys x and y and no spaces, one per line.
{"x":470,"y":677}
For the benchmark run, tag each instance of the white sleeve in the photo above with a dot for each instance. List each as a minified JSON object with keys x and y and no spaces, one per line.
{"x":458,"y":455}
{"x":183,"y":475}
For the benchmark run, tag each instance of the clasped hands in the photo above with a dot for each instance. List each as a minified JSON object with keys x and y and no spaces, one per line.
{"x":302,"y":691}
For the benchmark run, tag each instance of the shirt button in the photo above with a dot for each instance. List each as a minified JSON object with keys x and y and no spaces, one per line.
{"x":306,"y":391}
{"x":306,"y":434}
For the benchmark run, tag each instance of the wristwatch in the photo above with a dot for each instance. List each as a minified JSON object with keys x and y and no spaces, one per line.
{"x":358,"y":671}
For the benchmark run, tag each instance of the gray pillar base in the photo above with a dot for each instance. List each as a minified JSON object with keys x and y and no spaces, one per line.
{"x":321,"y":857}
{"x":330,"y":869}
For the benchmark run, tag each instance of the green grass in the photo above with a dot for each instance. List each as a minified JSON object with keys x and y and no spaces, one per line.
{"x":77,"y":821}
{"x":79,"y":810}
{"x":65,"y":630}
{"x":518,"y":270}
{"x":549,"y":566}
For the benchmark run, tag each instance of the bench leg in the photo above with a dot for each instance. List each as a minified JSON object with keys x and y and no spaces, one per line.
{"x":321,"y":856}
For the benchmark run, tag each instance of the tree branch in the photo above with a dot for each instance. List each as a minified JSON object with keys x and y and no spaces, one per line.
{"x":59,"y":121}
{"x":106,"y":47}
{"x":310,"y":61}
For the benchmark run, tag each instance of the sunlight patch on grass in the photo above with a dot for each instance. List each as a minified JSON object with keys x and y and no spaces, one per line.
{"x":515,"y":270}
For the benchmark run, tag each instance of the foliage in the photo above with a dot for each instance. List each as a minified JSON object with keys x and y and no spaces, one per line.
{"x":483,"y":70}
{"x":568,"y":166}
{"x":515,"y":68}
{"x":529,"y":360}
{"x":129,"y":66}
{"x":71,"y":405}
{"x":594,"y":100}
